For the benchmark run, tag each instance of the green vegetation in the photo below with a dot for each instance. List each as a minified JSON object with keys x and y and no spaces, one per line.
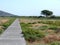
{"x":55,"y":43}
{"x":8,"y":23}
{"x":5,"y":22}
{"x":53,"y":27}
{"x":31,"y":34}
{"x":47,"y":13}
{"x":50,"y":22}
{"x":1,"y":31}
{"x":41,"y":31}
{"x":43,"y":27}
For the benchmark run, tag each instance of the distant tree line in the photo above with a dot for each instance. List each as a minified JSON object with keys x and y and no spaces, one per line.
{"x":44,"y":14}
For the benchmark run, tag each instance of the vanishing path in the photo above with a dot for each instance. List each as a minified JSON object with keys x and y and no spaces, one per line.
{"x":13,"y":36}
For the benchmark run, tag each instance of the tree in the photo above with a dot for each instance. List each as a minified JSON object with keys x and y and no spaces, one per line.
{"x":47,"y":13}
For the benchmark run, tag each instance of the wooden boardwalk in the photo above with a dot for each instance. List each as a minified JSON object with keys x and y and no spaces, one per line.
{"x":12,"y":35}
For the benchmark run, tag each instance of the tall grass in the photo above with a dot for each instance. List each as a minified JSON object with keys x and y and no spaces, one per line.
{"x":56,"y":22}
{"x":8,"y":23}
{"x":31,"y":35}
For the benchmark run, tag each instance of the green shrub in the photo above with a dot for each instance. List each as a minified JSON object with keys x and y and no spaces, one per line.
{"x":53,"y":27}
{"x":43,"y":27}
{"x":1,"y":31}
{"x":23,"y":25}
{"x":32,"y":35}
{"x":33,"y":22}
{"x":5,"y":25}
{"x":8,"y":23}
{"x":57,"y":30}
{"x":55,"y":43}
{"x":29,"y":23}
{"x":56,"y":23}
{"x":39,"y":21}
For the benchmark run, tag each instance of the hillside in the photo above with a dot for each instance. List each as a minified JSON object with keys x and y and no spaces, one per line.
{"x":2,"y":13}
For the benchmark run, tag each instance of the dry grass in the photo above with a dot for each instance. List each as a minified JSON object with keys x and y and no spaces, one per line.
{"x":28,"y":20}
{"x":51,"y":35}
{"x":3,"y":21}
{"x":0,"y":27}
{"x":51,"y":38}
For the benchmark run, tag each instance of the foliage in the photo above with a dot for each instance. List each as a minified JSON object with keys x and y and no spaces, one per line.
{"x":32,"y":23}
{"x":1,"y":31}
{"x":53,"y":27}
{"x":43,"y":27}
{"x":46,"y":13}
{"x":50,"y":22}
{"x":55,"y":43}
{"x":8,"y":23}
{"x":30,"y":34}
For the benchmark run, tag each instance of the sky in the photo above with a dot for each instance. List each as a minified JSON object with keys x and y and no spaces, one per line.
{"x":30,"y":7}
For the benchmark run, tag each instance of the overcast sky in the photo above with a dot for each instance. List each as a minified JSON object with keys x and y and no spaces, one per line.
{"x":30,"y":7}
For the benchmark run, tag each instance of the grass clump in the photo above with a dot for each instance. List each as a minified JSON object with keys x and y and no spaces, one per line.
{"x":53,"y":27}
{"x":50,"y":22}
{"x":32,"y":23}
{"x":32,"y":35}
{"x":1,"y":31}
{"x":8,"y":23}
{"x":43,"y":27}
{"x":55,"y":43}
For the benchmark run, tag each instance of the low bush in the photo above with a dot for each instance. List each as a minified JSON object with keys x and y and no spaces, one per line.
{"x":32,"y":35}
{"x":55,"y":43}
{"x":43,"y":27}
{"x":29,"y":23}
{"x":33,"y":23}
{"x":56,"y":23}
{"x":53,"y":27}
{"x":8,"y":23}
{"x":57,"y":30}
{"x":5,"y":25}
{"x":25,"y":25}
{"x":1,"y":31}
